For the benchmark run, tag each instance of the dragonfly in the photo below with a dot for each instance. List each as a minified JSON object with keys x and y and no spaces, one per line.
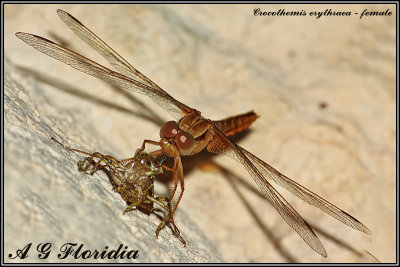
{"x":191,"y":133}
{"x":133,"y":178}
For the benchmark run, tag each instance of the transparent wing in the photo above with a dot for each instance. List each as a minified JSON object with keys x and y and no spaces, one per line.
{"x":305,"y":194}
{"x":221,"y":144}
{"x":83,"y":64}
{"x":118,"y":62}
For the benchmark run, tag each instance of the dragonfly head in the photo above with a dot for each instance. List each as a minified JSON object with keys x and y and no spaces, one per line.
{"x":183,"y":140}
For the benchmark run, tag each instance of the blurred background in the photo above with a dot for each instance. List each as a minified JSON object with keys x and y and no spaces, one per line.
{"x":324,"y":89}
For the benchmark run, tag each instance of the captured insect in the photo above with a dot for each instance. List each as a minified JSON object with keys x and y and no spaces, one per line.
{"x":133,"y":178}
{"x":192,"y":132}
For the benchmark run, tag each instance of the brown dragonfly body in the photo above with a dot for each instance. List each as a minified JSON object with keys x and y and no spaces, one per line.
{"x":192,"y":133}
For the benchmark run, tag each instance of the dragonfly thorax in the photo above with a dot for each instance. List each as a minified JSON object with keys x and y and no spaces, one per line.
{"x":194,"y":124}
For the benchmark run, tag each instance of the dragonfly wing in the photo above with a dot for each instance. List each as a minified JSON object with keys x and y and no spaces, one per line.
{"x":221,"y":144}
{"x":104,"y":50}
{"x":305,"y":194}
{"x":94,"y":69}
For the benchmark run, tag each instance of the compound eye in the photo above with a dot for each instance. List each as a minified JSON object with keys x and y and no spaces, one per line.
{"x":185,"y":143}
{"x":169,"y":129}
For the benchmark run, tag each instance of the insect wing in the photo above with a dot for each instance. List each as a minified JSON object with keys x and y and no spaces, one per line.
{"x":305,"y":194}
{"x":178,"y":109}
{"x":83,"y":64}
{"x":221,"y":144}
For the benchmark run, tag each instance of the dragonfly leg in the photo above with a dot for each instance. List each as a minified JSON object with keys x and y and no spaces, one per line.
{"x":167,"y":219}
{"x":129,"y":160}
{"x":132,"y":159}
{"x":156,"y":153}
{"x":167,"y":168}
{"x":175,"y":230}
{"x":90,"y":161}
{"x":96,"y":166}
{"x":131,"y":207}
{"x":68,"y":147}
{"x":146,"y":141}
{"x":177,"y":178}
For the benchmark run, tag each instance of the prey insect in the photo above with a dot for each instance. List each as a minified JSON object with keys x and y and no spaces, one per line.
{"x":192,"y":132}
{"x":133,"y":178}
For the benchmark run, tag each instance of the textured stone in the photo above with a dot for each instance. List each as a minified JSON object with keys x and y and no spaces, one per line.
{"x":324,"y":89}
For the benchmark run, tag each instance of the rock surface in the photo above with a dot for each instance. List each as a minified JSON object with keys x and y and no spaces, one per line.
{"x":324,"y":89}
